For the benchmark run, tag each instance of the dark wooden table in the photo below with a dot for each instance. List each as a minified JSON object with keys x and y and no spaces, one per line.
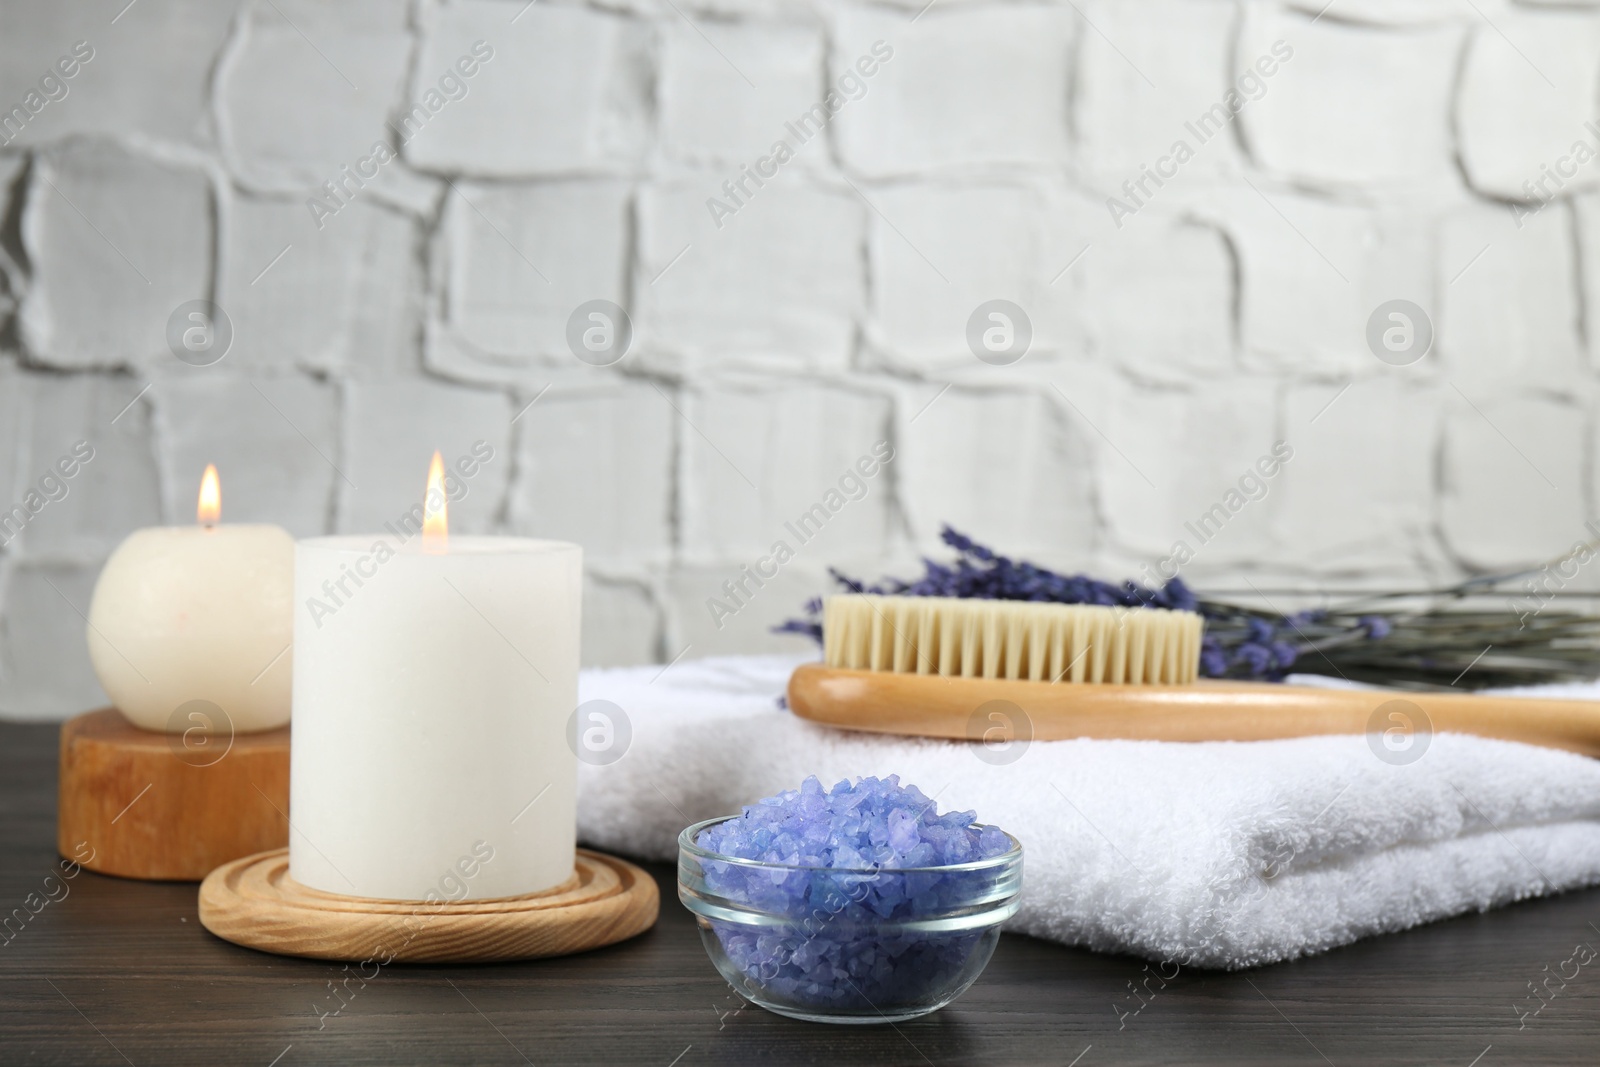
{"x":121,"y":972}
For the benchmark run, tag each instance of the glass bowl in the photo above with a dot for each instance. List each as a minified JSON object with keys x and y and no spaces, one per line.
{"x":847,"y":946}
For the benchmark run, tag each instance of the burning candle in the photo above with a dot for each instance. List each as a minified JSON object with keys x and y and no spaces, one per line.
{"x":190,"y":626}
{"x":434,"y":676}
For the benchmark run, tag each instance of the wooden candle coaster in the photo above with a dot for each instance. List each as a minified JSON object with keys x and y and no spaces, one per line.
{"x":253,"y":902}
{"x":140,"y":804}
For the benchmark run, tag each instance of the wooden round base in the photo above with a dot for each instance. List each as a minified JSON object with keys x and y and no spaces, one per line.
{"x":140,"y":804}
{"x":253,"y":902}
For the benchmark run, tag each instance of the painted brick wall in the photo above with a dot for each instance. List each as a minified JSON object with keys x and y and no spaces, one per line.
{"x":523,"y":159}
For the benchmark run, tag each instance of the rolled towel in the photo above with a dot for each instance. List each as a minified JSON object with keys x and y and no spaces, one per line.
{"x":1219,"y":854}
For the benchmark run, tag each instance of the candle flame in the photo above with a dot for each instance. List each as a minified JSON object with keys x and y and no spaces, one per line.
{"x":209,"y":511}
{"x":435,"y":509}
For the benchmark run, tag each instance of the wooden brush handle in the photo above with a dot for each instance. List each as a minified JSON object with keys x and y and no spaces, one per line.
{"x":920,"y":705}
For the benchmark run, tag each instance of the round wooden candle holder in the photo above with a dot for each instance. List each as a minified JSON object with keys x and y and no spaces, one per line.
{"x":140,"y":804}
{"x":253,"y":902}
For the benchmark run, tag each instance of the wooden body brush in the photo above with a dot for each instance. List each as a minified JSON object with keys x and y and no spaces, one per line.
{"x":928,"y":666}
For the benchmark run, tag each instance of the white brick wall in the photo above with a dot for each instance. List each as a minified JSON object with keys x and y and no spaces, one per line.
{"x":780,"y":282}
{"x":116,"y":240}
{"x":1161,"y":485}
{"x":1353,"y":105}
{"x":349,"y":301}
{"x":1008,"y":465}
{"x":709,"y":112}
{"x":939,"y":251}
{"x":1494,"y":497}
{"x":970,"y":87}
{"x":391,"y":429}
{"x":566,"y":152}
{"x":119,"y":91}
{"x":1510,"y":311}
{"x":291,"y":114}
{"x":1527,"y":89}
{"x":760,"y":456}
{"x":512,"y":261}
{"x":1358,"y":494}
{"x":1188,"y":272}
{"x":295,"y":491}
{"x":567,"y":90}
{"x":118,"y":490}
{"x":611,"y":444}
{"x":1124,"y":120}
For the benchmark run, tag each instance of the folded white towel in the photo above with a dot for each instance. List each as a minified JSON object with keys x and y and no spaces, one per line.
{"x":1220,"y":854}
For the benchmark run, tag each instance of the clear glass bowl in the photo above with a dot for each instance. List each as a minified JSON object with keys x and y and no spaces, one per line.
{"x":847,"y":946}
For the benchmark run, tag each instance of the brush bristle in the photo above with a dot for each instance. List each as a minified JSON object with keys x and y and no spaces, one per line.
{"x":1019,"y":640}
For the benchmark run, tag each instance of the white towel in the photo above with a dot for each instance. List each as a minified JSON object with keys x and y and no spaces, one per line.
{"x":1221,"y":854}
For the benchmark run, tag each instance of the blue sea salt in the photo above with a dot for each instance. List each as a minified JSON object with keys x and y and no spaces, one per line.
{"x":854,"y":880}
{"x":874,"y":824}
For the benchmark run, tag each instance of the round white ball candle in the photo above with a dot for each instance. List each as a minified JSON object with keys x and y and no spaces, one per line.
{"x":432,"y":688}
{"x":187,"y":613}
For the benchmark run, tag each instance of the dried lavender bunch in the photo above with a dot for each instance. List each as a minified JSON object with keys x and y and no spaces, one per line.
{"x":1455,"y":637}
{"x":1412,"y":640}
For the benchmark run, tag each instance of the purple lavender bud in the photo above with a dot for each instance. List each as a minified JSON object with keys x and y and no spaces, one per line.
{"x":1258,"y":658}
{"x":964,"y":544}
{"x":845,"y":580}
{"x":1178,"y":596}
{"x":804,"y":627}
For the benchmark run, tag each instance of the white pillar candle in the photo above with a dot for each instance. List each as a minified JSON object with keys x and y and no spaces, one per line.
{"x":432,"y":689}
{"x":186,"y":614}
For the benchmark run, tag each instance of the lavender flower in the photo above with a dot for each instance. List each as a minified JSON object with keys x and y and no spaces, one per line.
{"x":1377,"y":626}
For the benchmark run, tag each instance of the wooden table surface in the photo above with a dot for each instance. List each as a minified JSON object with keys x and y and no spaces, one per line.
{"x":121,"y":972}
